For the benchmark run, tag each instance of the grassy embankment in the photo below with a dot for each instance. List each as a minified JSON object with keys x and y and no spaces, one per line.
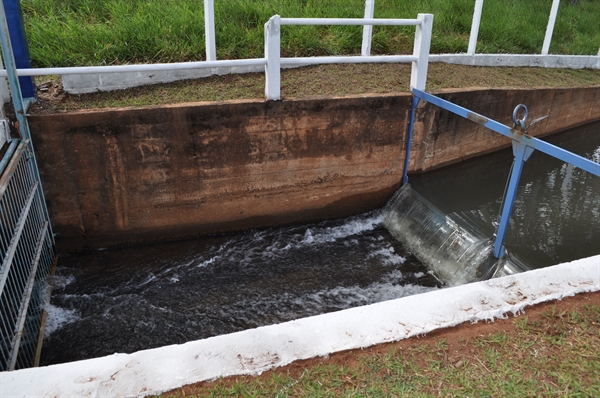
{"x":92,"y":32}
{"x":106,"y":32}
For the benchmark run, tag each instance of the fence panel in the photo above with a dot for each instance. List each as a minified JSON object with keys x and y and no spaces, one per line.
{"x":26,"y":253}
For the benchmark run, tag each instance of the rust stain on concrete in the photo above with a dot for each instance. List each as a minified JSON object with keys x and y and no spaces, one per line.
{"x":124,"y":176}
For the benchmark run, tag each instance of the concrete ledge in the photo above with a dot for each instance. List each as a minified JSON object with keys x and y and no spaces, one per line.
{"x":521,"y":60}
{"x":83,"y":84}
{"x":254,"y":351}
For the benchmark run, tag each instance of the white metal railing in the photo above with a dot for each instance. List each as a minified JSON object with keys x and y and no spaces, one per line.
{"x":273,"y":61}
{"x":132,"y":75}
{"x":419,"y":59}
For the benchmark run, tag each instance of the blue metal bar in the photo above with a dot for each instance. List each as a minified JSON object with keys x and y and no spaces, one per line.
{"x":8,"y":155}
{"x":414,"y":104}
{"x":522,"y":153}
{"x":535,"y":143}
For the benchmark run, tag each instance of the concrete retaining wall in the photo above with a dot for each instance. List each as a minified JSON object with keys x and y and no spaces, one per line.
{"x":126,"y":176}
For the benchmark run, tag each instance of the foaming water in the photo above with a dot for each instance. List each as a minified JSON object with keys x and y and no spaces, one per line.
{"x":128,"y":299}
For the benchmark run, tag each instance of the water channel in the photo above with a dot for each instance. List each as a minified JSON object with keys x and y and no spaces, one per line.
{"x":133,"y":298}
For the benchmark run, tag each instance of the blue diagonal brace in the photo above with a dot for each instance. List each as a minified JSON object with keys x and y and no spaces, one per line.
{"x":535,"y":143}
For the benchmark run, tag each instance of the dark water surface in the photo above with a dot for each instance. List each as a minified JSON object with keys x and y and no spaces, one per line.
{"x":128,"y":299}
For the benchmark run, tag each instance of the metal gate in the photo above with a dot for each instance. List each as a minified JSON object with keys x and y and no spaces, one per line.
{"x":26,"y":252}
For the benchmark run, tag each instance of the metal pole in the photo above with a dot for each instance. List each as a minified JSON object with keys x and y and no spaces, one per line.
{"x":522,"y":153}
{"x":368,"y":29}
{"x":209,"y":30}
{"x":475,"y":27}
{"x":550,"y":28}
{"x":411,"y":125}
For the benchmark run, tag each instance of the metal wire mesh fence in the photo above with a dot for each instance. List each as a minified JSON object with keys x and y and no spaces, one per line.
{"x":26,"y":252}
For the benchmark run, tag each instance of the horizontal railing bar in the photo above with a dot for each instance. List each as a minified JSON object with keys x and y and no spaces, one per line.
{"x":357,"y":59}
{"x":14,"y":352}
{"x":8,"y":155}
{"x":81,"y":70}
{"x":12,"y":166}
{"x":6,"y":264}
{"x":348,"y":21}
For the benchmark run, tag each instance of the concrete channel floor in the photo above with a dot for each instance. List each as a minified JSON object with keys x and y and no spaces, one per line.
{"x":253,"y":351}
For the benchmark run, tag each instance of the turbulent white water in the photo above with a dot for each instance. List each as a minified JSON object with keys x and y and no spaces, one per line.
{"x":129,"y":299}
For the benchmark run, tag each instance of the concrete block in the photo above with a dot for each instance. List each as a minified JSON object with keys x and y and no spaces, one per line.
{"x":81,"y":84}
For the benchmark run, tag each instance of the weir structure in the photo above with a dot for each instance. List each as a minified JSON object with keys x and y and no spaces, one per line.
{"x":523,"y":146}
{"x":26,"y":238}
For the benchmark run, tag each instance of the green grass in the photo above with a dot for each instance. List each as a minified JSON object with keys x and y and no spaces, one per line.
{"x":555,"y":354}
{"x":104,"y":32}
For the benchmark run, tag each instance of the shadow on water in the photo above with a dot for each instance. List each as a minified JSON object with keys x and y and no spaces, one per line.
{"x":128,"y":299}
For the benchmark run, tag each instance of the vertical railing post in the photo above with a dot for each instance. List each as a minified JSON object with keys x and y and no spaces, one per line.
{"x":521,"y":153}
{"x":368,"y":29}
{"x":418,"y":76}
{"x":550,"y":27}
{"x":273,"y":58}
{"x":14,"y":16}
{"x":209,"y":30}
{"x":475,"y":27}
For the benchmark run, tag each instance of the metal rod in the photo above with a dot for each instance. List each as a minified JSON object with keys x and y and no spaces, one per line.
{"x":6,"y":264}
{"x":535,"y":143}
{"x":414,"y":104}
{"x":7,"y":156}
{"x":26,"y":298}
{"x":82,"y":70}
{"x":509,"y":200}
{"x":355,"y":59}
{"x":349,"y":21}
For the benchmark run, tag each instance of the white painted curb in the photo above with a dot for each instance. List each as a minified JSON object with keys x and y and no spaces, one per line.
{"x":256,"y":350}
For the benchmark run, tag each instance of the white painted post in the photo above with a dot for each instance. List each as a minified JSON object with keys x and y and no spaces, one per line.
{"x":418,"y":76}
{"x":475,"y":26}
{"x":209,"y":30}
{"x":368,"y":29}
{"x":273,"y":57}
{"x":550,"y":28}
